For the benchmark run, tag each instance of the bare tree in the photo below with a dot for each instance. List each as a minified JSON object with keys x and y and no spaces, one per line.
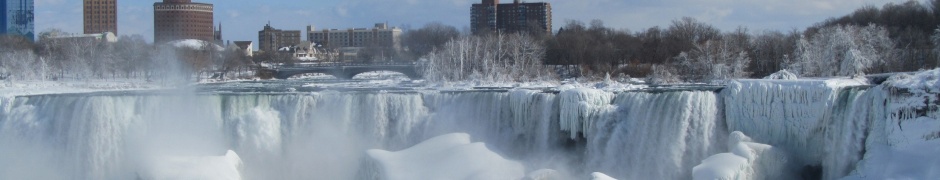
{"x":495,"y":58}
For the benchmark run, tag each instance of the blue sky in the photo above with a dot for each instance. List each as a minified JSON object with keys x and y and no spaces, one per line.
{"x":242,"y":19}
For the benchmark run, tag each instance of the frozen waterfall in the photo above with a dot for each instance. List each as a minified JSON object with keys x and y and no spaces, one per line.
{"x":817,"y":128}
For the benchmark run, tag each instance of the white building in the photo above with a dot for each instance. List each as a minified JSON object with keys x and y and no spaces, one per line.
{"x":307,"y":51}
{"x":380,"y":35}
{"x":246,"y":46}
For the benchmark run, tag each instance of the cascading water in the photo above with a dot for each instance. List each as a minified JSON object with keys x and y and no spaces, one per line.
{"x":668,"y":132}
{"x":324,"y":135}
{"x":822,"y":125}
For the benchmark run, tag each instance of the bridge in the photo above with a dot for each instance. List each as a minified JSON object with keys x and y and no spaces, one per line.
{"x":345,"y":70}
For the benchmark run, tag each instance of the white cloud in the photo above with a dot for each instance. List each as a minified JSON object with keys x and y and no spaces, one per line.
{"x":233,"y":13}
{"x":341,"y":11}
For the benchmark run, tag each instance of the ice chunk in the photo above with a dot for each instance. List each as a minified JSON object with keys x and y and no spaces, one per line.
{"x":747,"y":160}
{"x":450,"y":156}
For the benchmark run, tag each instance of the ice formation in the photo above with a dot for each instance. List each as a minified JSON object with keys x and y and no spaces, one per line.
{"x":747,"y":160}
{"x":783,"y":75}
{"x":823,"y":121}
{"x":901,"y":144}
{"x":844,"y":126}
{"x":450,"y":156}
{"x":227,"y":167}
{"x":581,"y":108}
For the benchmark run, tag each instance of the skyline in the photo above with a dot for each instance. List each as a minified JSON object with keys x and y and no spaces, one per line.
{"x":242,"y":19}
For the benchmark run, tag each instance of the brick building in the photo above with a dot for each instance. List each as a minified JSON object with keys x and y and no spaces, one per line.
{"x":182,"y":19}
{"x":100,"y":16}
{"x":490,"y":16}
{"x":271,"y":39}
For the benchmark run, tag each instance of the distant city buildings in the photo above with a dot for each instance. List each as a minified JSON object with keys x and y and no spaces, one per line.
{"x":183,"y":19}
{"x":271,"y":39}
{"x":18,"y":18}
{"x":491,"y":16}
{"x":100,"y":16}
{"x":379,"y":36}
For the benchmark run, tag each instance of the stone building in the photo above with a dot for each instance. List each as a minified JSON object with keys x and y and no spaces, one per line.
{"x":271,"y":39}
{"x":182,"y":19}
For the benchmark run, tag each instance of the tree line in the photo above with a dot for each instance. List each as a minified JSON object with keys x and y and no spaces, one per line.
{"x":53,"y":57}
{"x":893,"y":38}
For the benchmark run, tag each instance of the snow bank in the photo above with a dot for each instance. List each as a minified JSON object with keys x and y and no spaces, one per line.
{"x":915,"y":161}
{"x":450,"y":156}
{"x":227,"y":167}
{"x":600,"y":176}
{"x":922,"y":82}
{"x":783,"y":75}
{"x":747,"y":160}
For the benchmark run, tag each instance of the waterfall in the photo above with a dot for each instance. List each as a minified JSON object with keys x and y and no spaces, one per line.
{"x":782,"y":128}
{"x":668,"y":132}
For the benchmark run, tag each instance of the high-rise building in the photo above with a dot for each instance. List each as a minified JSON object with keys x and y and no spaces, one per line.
{"x":182,"y":19}
{"x":490,"y":16}
{"x":271,"y":39}
{"x":100,"y":16}
{"x":18,"y":18}
{"x":380,"y":35}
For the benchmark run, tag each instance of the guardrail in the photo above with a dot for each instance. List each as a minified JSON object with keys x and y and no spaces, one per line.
{"x":345,"y":64}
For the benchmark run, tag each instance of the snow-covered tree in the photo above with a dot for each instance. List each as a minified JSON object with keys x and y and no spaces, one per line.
{"x":713,"y":60}
{"x":494,"y":58}
{"x":843,"y":51}
{"x":936,"y":40}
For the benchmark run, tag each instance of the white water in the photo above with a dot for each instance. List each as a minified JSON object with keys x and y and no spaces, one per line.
{"x":626,"y":135}
{"x":668,"y":132}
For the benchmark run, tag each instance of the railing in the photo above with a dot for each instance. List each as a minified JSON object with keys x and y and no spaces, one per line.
{"x":334,"y":64}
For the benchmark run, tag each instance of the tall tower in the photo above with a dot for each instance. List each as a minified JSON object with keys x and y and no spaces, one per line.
{"x":483,"y":16}
{"x":182,"y":19}
{"x":17,"y":18}
{"x":490,"y":16}
{"x":100,"y":16}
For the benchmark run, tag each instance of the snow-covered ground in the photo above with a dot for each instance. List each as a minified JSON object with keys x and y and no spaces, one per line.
{"x":450,"y":156}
